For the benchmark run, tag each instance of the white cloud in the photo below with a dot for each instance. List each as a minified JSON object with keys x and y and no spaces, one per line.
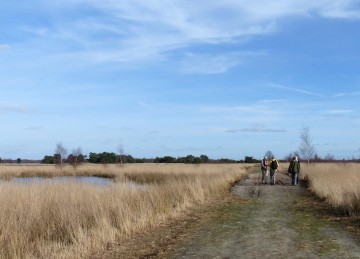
{"x":338,"y":113}
{"x":272,"y":101}
{"x":338,"y":95}
{"x":14,"y":108}
{"x":307,"y":92}
{"x":123,"y":31}
{"x":35,"y":128}
{"x":347,"y":9}
{"x":297,"y":90}
{"x":345,"y":94}
{"x":255,"y":128}
{"x":234,"y":109}
{"x":4,"y":46}
{"x":213,"y":64}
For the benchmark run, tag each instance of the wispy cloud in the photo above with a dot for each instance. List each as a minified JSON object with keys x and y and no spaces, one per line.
{"x":354,"y":93}
{"x":297,"y":90}
{"x":256,"y":129}
{"x":338,"y":113}
{"x":35,"y":128}
{"x":124,"y":31}
{"x":272,"y":101}
{"x":4,"y":46}
{"x":339,"y":95}
{"x":347,"y":9}
{"x":345,"y":94}
{"x":14,"y":108}
{"x":214,"y":64}
{"x":237,"y":108}
{"x":312,"y":93}
{"x":187,"y":22}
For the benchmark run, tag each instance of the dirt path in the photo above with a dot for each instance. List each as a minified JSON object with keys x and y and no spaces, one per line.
{"x":268,"y":225}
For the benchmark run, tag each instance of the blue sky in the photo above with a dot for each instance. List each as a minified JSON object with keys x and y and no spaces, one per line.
{"x":222,"y":78}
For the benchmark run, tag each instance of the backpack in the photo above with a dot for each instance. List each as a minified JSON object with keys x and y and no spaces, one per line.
{"x":274,"y":165}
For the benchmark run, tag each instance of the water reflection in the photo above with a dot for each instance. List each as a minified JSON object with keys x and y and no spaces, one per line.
{"x":74,"y":179}
{"x":99,"y":181}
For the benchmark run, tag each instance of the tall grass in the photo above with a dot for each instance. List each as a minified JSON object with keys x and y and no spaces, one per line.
{"x":9,"y":171}
{"x":338,"y":183}
{"x":66,"y":220}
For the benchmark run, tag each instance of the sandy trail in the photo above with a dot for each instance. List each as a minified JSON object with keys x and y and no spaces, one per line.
{"x":268,"y":225}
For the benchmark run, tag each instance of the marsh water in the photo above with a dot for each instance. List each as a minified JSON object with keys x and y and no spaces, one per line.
{"x":73,"y":179}
{"x":91,"y":180}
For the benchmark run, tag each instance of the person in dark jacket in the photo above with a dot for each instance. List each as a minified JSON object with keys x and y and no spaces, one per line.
{"x":294,"y":169}
{"x":274,"y":164}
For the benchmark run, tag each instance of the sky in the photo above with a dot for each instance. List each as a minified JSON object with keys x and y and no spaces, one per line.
{"x":227,"y":79}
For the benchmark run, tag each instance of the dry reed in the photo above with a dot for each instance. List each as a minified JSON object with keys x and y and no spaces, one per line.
{"x":337,"y":183}
{"x":9,"y":171}
{"x":71,"y":220}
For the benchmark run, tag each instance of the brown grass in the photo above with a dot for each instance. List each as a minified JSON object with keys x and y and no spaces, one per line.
{"x":9,"y":171}
{"x":338,"y":183}
{"x":66,"y":220}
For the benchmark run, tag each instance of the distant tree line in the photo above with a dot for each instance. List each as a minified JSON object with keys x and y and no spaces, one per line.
{"x":18,"y":161}
{"x":76,"y":157}
{"x":106,"y":157}
{"x":189,"y":159}
{"x":329,"y":158}
{"x":96,"y":158}
{"x":306,"y":152}
{"x":112,"y":158}
{"x":250,"y":159}
{"x":203,"y":159}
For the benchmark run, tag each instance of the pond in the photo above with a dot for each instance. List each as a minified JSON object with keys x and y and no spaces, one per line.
{"x":92,"y":180}
{"x":74,"y":179}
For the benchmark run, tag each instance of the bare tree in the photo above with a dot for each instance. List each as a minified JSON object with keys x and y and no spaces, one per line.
{"x":269,"y":154}
{"x":329,"y":157}
{"x":317,"y":158}
{"x":76,"y":157}
{"x":61,"y":151}
{"x":307,"y":149}
{"x":289,"y":156}
{"x":121,"y":153}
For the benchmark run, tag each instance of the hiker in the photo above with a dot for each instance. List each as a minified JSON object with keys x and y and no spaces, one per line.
{"x":274,"y":164}
{"x":264,"y":169}
{"x":294,"y":170}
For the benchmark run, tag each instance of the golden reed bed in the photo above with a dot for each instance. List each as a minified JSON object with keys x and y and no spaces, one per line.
{"x":53,"y":219}
{"x":338,"y":183}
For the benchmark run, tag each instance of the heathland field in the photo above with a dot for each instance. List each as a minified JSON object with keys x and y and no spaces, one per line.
{"x":72,"y":219}
{"x":338,"y":183}
{"x":52,"y":219}
{"x":267,"y":221}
